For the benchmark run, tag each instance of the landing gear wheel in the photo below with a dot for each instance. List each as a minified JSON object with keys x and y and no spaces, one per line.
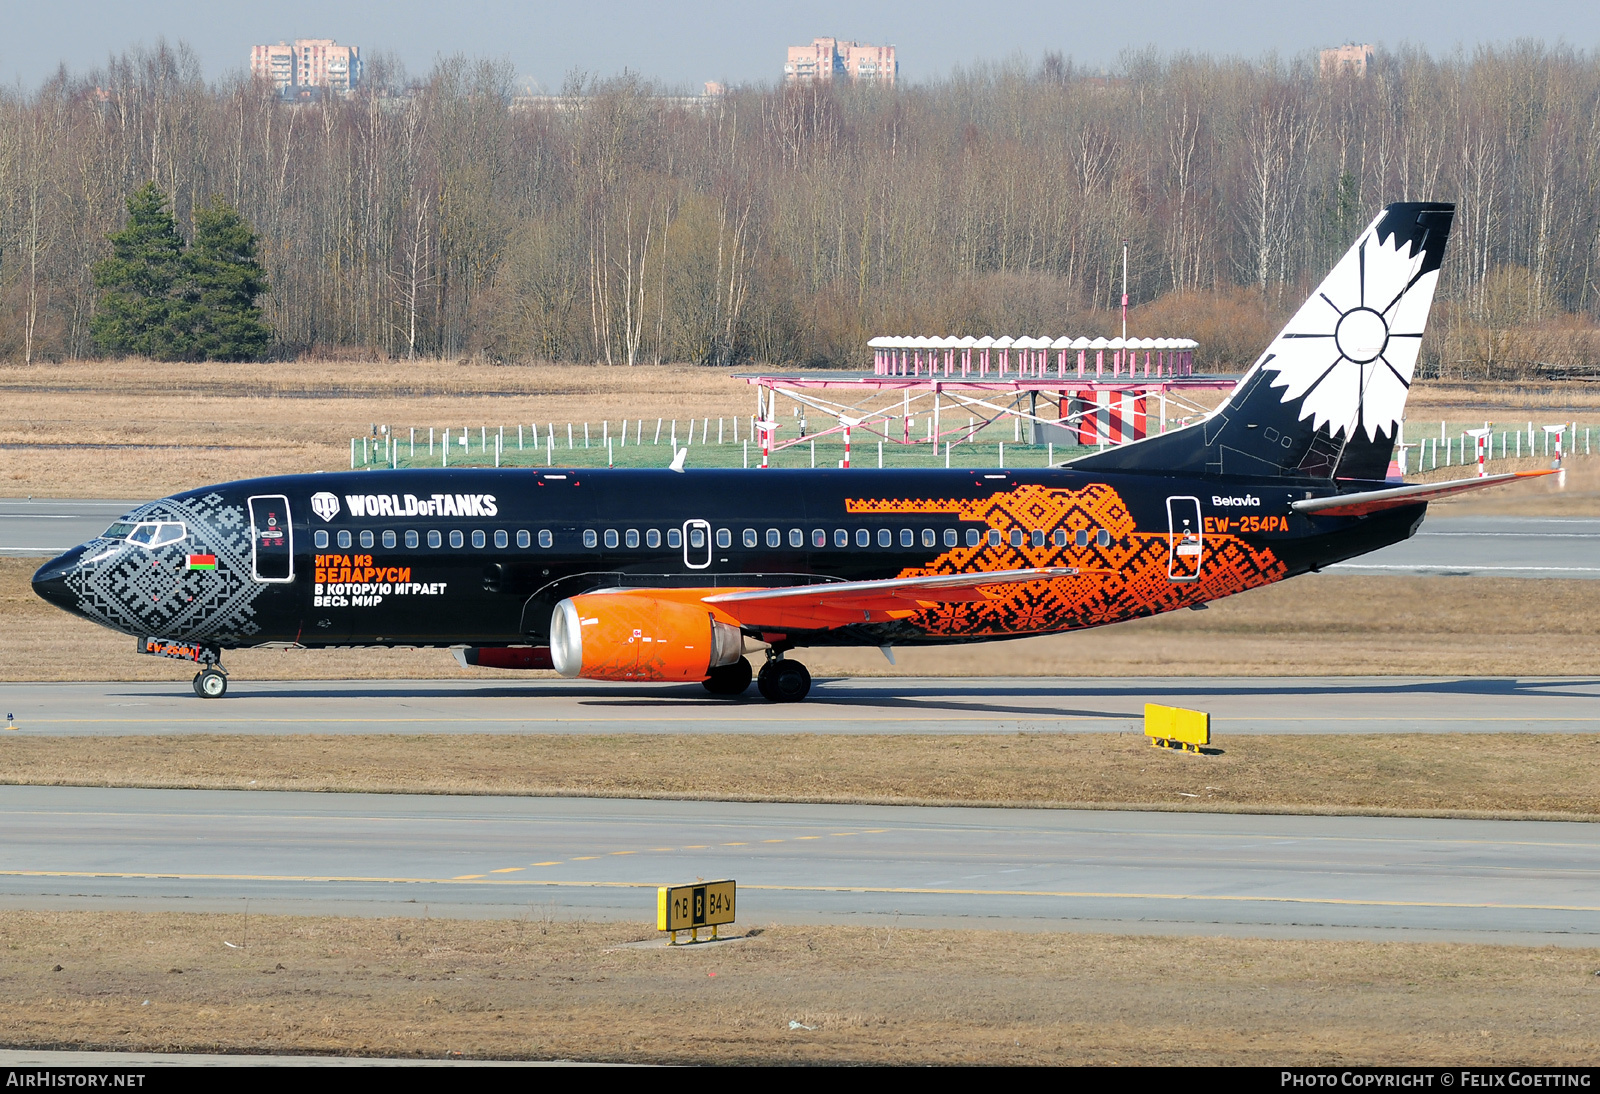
{"x":729,"y":679}
{"x":210,"y":684}
{"x":784,"y":681}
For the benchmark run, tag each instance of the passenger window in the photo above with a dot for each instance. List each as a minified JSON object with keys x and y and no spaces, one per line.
{"x":774,"y":538}
{"x":819,"y":538}
{"x":885,"y":538}
{"x":366,"y":540}
{"x":697,"y":537}
{"x":1103,"y":537}
{"x":797,"y":538}
{"x":1080,"y":538}
{"x":434,"y":538}
{"x":501,"y":540}
{"x":456,"y":538}
{"x":1038,"y":538}
{"x":929,"y":539}
{"x":344,"y":539}
{"x":631,"y":537}
{"x":949,"y":537}
{"x":652,"y":538}
{"x":674,"y":538}
{"x":972,"y":537}
{"x":524,"y":540}
{"x":319,"y":539}
{"x":389,"y":540}
{"x":545,"y":538}
{"x":411,"y":538}
{"x":478,"y":538}
{"x":841,"y":538}
{"x":907,"y":538}
{"x":1016,"y":537}
{"x":611,"y":538}
{"x":1059,"y":537}
{"x":751,"y":539}
{"x":994,"y":537}
{"x":863,"y":537}
{"x":724,"y":538}
{"x":590,"y":539}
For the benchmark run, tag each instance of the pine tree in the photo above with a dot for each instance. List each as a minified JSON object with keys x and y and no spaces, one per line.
{"x":140,"y":281}
{"x":223,"y":279}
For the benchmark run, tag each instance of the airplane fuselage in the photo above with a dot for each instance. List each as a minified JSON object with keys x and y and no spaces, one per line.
{"x":480,"y":558}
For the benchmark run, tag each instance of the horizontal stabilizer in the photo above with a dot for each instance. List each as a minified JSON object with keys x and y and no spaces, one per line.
{"x":1375,"y":501}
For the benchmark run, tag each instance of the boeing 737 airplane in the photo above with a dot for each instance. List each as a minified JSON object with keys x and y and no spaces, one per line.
{"x":666,"y":575}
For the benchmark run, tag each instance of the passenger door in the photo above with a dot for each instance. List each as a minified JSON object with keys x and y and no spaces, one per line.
{"x":271,"y":539}
{"x":1185,"y":543}
{"x":696,"y":544}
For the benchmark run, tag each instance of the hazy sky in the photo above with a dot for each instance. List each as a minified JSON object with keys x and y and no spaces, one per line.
{"x":685,"y":44}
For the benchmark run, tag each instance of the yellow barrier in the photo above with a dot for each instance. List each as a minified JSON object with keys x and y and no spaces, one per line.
{"x":690,"y":907}
{"x":1175,"y":727}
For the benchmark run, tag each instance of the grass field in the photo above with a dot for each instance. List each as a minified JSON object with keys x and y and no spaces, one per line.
{"x":141,"y":429}
{"x":1509,"y":775}
{"x":542,"y":988}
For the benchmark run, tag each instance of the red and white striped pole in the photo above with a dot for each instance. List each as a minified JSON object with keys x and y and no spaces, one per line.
{"x":846,"y":463}
{"x":766,"y":429}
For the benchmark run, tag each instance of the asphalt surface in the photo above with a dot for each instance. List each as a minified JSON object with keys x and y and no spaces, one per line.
{"x":1566,"y":547}
{"x":1336,"y":704}
{"x":1465,"y":546}
{"x":44,"y":527}
{"x":382,"y":854}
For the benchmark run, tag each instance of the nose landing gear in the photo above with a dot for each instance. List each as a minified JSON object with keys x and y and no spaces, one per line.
{"x":211,"y":682}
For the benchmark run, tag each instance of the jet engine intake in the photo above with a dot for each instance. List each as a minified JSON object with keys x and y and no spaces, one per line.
{"x":634,"y":636}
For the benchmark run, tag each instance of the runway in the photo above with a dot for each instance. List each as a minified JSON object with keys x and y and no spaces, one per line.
{"x":1335,"y":704}
{"x":1525,"y":882}
{"x":44,"y":527}
{"x":1455,"y":546}
{"x":1566,"y":547}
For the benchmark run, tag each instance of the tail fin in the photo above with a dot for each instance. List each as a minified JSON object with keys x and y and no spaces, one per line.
{"x":1326,"y":398}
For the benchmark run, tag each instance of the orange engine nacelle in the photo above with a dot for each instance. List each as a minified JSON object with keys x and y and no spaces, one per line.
{"x":636,"y":636}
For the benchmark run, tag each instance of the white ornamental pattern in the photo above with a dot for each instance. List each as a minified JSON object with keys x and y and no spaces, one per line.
{"x":1350,"y":351}
{"x":144,"y":592}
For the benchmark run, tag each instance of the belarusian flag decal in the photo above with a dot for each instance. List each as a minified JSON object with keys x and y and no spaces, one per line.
{"x":202,"y":562}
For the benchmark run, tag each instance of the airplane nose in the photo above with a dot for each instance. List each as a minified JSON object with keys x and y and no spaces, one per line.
{"x":50,"y":580}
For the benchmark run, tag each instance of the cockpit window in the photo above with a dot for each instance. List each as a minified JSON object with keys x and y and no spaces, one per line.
{"x":118,"y":530}
{"x":153,"y":534}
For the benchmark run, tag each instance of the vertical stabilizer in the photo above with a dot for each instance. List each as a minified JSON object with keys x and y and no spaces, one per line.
{"x":1326,"y":398}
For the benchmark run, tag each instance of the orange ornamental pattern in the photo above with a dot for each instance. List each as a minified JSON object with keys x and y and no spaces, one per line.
{"x":1133,"y":582}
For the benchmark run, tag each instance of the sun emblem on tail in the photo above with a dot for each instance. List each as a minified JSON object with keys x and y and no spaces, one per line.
{"x":1350,"y":351}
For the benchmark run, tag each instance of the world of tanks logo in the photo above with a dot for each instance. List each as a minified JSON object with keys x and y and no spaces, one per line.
{"x":325,"y":505}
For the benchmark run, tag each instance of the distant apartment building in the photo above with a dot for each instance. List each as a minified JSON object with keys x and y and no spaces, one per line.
{"x":309,"y":66}
{"x":828,"y":59}
{"x":1346,"y":58}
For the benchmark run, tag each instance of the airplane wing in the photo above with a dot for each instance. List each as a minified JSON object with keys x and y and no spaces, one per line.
{"x":836,"y":603}
{"x":1375,"y":501}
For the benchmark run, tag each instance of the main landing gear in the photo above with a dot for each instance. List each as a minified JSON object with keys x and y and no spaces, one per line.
{"x":782,"y":680}
{"x":211,"y":682}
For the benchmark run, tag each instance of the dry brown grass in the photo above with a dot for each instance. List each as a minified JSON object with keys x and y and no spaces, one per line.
{"x":1501,"y":775}
{"x":1320,"y":624}
{"x":542,"y":989}
{"x":191,"y":425}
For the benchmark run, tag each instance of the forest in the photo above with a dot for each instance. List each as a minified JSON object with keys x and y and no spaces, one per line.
{"x":445,"y":215}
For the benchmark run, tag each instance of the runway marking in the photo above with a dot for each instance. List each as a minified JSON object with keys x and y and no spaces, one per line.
{"x":480,"y":879}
